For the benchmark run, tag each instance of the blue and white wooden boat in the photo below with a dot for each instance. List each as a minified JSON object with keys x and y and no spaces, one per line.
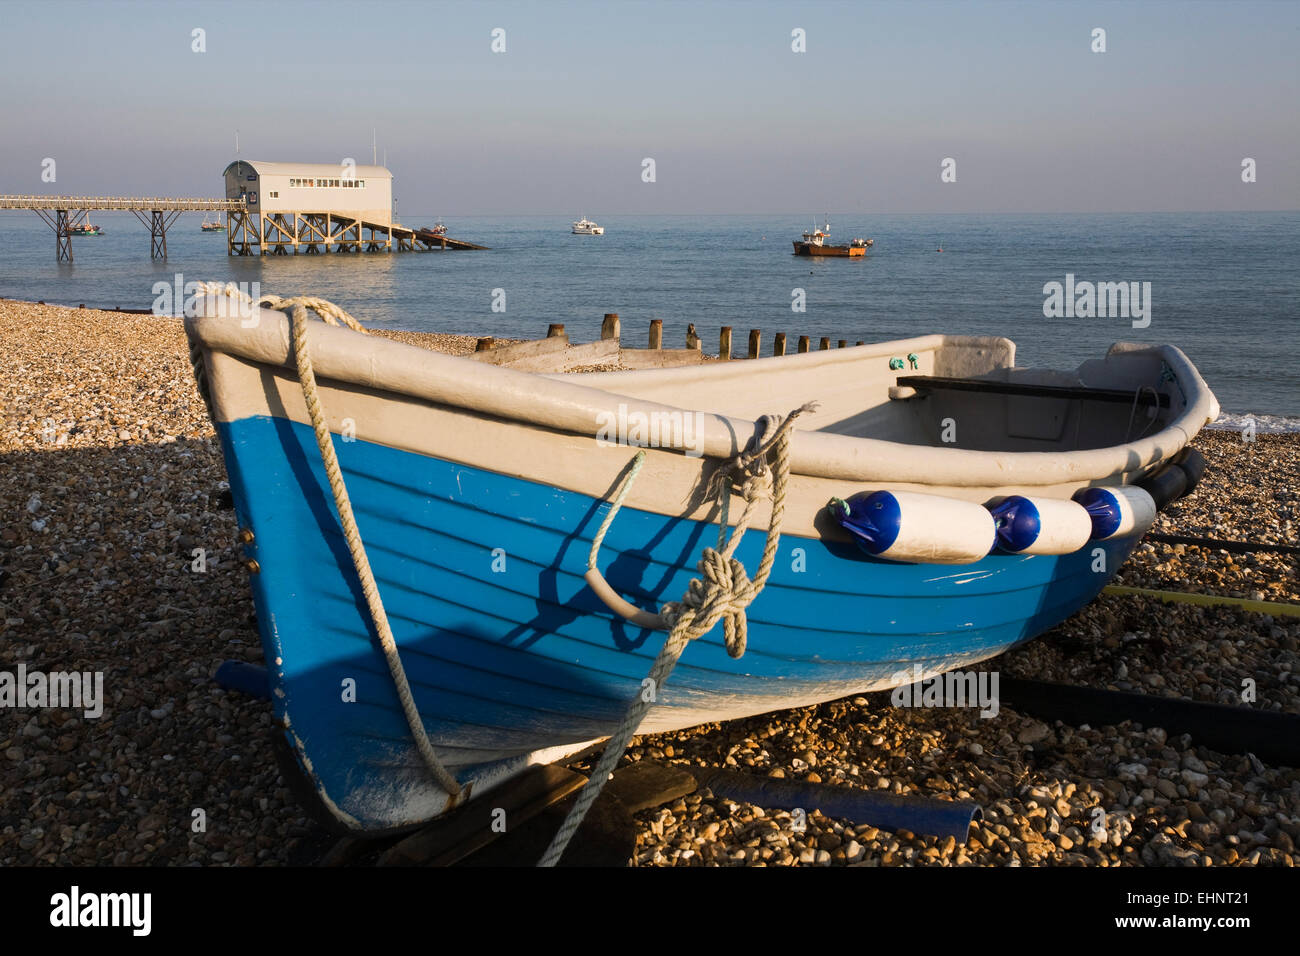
{"x":477,"y":490}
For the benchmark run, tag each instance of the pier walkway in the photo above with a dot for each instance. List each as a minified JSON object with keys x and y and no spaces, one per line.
{"x":246,"y":231}
{"x":62,"y":213}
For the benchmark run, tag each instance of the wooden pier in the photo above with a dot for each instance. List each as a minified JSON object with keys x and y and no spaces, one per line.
{"x":313,"y":233}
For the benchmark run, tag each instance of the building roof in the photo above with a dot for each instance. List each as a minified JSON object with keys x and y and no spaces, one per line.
{"x":311,"y":170}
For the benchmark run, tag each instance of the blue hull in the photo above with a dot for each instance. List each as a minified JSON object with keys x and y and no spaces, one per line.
{"x":508,"y":652}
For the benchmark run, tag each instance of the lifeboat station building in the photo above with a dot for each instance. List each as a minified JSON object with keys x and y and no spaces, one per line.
{"x":311,"y":208}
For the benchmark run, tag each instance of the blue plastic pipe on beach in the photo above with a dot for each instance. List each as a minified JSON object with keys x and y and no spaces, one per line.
{"x":888,"y":811}
{"x":250,"y":679}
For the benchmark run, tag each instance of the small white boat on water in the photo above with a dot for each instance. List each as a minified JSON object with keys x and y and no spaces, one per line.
{"x":937,"y":506}
{"x":585,"y":227}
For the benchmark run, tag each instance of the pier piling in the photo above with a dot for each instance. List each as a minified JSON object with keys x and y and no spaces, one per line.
{"x":62,"y":237}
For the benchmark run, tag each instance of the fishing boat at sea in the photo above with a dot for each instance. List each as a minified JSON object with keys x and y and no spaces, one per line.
{"x":209,"y":225}
{"x":85,"y":229}
{"x":461,"y":570}
{"x":814,"y":243}
{"x":585,"y":227}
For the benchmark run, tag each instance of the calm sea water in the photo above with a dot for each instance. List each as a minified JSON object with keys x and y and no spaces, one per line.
{"x":1225,"y":288}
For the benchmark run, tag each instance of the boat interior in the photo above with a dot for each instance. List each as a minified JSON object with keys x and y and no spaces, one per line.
{"x":938,"y":390}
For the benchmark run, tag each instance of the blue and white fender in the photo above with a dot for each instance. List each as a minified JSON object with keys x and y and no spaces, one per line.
{"x":1122,"y":510}
{"x":1041,"y":525}
{"x":909,"y":526}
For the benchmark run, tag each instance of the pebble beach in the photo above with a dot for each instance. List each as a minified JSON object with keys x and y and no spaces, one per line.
{"x":111,"y":476}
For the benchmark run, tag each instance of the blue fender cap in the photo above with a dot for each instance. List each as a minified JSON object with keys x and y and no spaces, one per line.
{"x":1018,"y":523}
{"x":872,"y":517}
{"x":1103,"y":508}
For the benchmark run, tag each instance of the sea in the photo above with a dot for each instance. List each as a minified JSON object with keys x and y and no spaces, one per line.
{"x":1223,"y":287}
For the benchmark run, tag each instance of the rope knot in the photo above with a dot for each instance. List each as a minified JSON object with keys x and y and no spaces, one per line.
{"x":722,"y":591}
{"x":757,"y":486}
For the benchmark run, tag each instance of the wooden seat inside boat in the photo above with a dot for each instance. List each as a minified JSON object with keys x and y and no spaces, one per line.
{"x":1145,"y":397}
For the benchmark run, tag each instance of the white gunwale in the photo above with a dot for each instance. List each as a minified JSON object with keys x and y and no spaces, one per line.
{"x":544,"y":427}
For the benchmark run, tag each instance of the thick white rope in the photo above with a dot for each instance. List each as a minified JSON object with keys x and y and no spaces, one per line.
{"x":334,"y":315}
{"x":724,"y":593}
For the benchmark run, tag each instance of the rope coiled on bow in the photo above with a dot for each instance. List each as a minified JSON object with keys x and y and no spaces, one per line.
{"x":722,"y":592}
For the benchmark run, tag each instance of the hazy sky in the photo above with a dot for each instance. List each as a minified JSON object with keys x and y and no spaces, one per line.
{"x":736,"y":122}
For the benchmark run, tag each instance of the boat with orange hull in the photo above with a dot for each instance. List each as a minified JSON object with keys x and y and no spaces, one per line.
{"x":814,"y":243}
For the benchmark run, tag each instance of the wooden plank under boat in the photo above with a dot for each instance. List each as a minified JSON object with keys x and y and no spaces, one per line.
{"x":478,"y":489}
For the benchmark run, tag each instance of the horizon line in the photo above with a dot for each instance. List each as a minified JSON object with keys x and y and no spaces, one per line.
{"x":651,"y":215}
